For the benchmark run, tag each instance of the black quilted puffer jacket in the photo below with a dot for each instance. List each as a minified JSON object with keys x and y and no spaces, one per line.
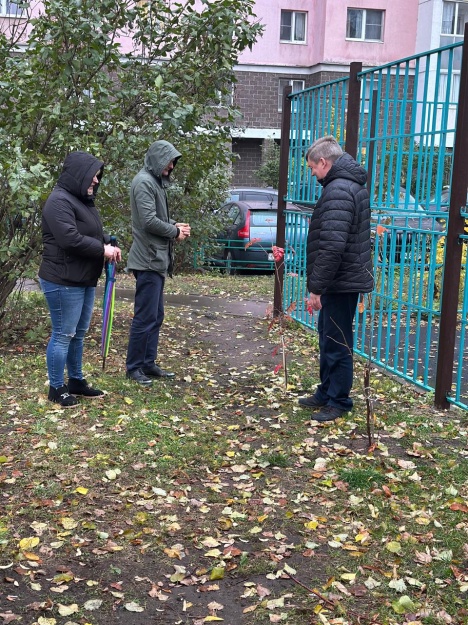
{"x":338,"y":242}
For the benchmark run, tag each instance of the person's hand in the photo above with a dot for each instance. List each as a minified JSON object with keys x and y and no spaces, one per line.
{"x":112,"y":253}
{"x":314,"y":302}
{"x":184,"y":231}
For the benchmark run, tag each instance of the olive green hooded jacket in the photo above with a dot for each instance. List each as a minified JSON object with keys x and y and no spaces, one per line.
{"x":153,"y":229}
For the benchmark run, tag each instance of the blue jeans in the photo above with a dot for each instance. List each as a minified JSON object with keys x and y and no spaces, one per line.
{"x":336,"y":339}
{"x":70,"y":309}
{"x":147,"y":320}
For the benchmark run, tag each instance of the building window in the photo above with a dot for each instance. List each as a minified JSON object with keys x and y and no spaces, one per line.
{"x":9,"y":8}
{"x":297,"y":85}
{"x":293,"y":26}
{"x":365,"y":24}
{"x":450,"y":83}
{"x":454,"y":17}
{"x":224,"y":100}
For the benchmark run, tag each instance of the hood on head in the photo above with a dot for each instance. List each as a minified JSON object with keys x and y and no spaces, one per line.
{"x":159,"y":155}
{"x":78,"y":171}
{"x":346,"y":167}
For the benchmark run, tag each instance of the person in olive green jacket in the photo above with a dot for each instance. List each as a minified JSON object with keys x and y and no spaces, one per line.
{"x":151,"y":259}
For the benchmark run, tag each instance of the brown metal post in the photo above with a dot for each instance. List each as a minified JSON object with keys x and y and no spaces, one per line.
{"x":282,"y":190}
{"x":453,"y":252}
{"x":354,"y":106}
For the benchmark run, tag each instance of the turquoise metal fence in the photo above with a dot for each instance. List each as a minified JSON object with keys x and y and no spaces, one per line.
{"x":315,"y":112}
{"x":407,"y":124}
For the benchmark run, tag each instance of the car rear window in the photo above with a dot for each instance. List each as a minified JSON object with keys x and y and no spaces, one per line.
{"x":249,"y":196}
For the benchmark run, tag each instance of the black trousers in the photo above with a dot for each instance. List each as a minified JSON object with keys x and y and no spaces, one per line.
{"x":335,"y":328}
{"x":147,"y":320}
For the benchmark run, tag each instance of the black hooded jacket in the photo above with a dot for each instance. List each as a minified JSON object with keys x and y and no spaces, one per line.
{"x":338,"y":243}
{"x":72,"y":234}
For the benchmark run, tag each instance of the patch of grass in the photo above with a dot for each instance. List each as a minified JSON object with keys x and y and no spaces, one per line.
{"x":277,"y":459}
{"x":362,"y":478}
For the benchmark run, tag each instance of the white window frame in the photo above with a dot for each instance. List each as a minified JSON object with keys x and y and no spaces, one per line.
{"x":294,"y":15}
{"x":364,"y":23}
{"x":5,"y":13}
{"x":282,"y":84}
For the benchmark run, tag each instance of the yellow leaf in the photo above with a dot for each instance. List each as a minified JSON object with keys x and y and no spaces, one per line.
{"x":393,"y":546}
{"x":68,"y":523}
{"x":224,"y":523}
{"x":81,"y":490}
{"x":28,"y":543}
{"x":262,"y":518}
{"x":173,"y":553}
{"x":127,"y":400}
{"x":275,"y":603}
{"x":217,"y":573}
{"x":213,"y":553}
{"x":66,"y":610}
{"x":31,"y":556}
{"x":209,"y":619}
{"x":349,"y":577}
{"x":231,"y":454}
{"x":311,"y":525}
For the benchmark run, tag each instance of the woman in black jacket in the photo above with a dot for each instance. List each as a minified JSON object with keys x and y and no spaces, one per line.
{"x":74,"y":249}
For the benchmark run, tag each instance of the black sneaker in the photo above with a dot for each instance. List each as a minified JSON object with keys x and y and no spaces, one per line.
{"x":328,"y":413}
{"x":61,"y":396}
{"x":311,"y":402}
{"x":83,"y":389}
{"x":138,"y":376}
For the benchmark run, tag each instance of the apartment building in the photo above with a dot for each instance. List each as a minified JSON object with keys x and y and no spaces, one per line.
{"x":305,"y":43}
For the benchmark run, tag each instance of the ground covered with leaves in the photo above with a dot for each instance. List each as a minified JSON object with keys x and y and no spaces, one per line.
{"x":213,"y":497}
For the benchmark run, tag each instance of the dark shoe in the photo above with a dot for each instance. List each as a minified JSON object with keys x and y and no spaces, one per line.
{"x":138,"y":376}
{"x":328,"y":413}
{"x":311,"y":402}
{"x":156,"y":372}
{"x":61,"y":396}
{"x":82,"y":388}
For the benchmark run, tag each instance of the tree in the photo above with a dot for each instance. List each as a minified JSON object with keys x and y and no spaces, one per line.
{"x":268,"y":172}
{"x":71,"y":85}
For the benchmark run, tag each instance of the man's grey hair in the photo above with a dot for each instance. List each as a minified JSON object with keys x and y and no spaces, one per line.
{"x":326,"y":147}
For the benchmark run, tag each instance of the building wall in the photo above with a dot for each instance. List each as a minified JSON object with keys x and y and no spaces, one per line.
{"x":326,"y":33}
{"x":256,"y":94}
{"x":400,"y":26}
{"x":249,"y":154}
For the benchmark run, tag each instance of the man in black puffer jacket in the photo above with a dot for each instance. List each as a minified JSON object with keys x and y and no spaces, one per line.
{"x":339,"y":267}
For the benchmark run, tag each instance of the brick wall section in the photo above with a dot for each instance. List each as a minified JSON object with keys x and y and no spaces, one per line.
{"x":249,"y":159}
{"x":256,"y":95}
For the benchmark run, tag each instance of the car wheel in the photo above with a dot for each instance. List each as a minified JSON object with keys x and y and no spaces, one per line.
{"x":230,"y":263}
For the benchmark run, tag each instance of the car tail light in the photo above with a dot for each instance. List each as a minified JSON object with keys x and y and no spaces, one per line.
{"x":244,"y":232}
